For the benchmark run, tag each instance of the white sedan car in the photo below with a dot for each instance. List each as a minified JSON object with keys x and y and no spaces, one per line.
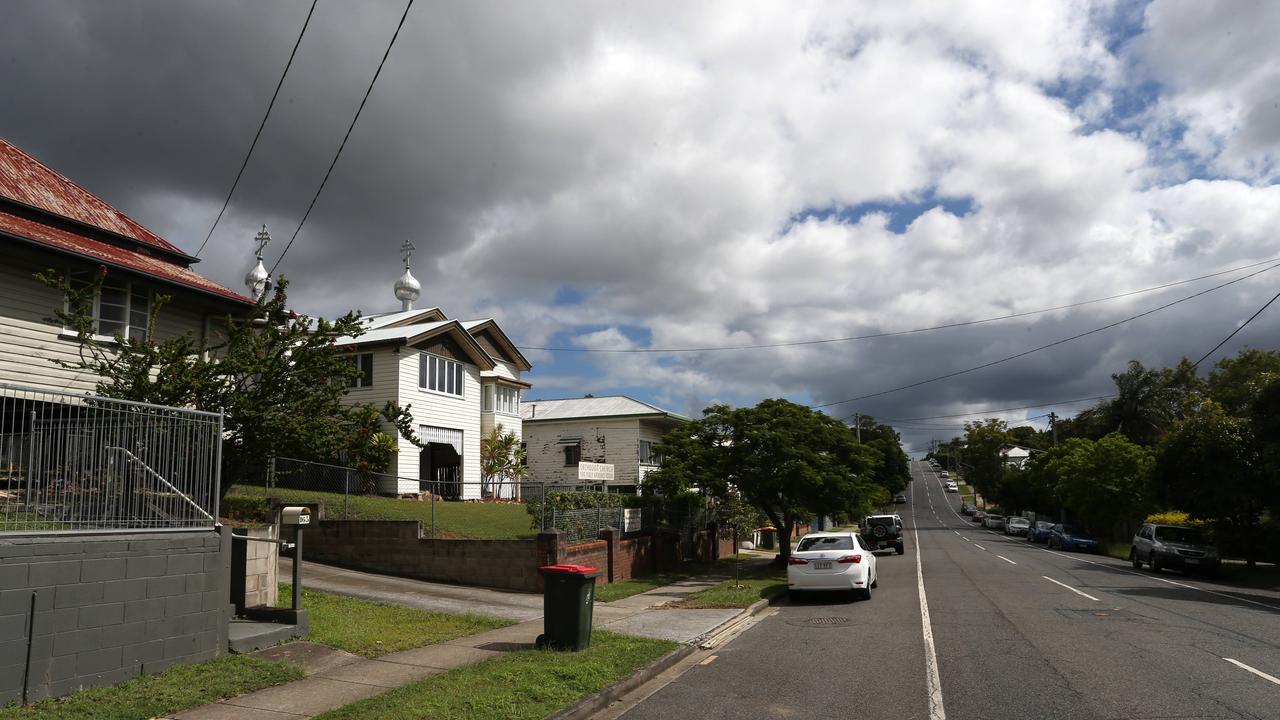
{"x":832,"y":561}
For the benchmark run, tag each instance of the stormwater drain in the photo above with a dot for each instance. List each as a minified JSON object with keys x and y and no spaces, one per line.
{"x":824,"y":622}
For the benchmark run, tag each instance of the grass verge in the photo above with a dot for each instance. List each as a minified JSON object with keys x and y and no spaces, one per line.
{"x":520,"y":685}
{"x":608,"y":592}
{"x":454,"y":518}
{"x":148,"y":696}
{"x":371,"y":629}
{"x":1117,"y":550}
{"x":755,"y":585}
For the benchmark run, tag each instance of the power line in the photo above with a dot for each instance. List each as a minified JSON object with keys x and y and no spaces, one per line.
{"x":1000,"y":410}
{"x":338,"y":154}
{"x":1233,"y":332}
{"x":261,"y":125}
{"x":965,"y":323}
{"x":1049,"y":345}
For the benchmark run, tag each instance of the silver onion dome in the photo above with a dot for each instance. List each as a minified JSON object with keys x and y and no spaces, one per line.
{"x":408,"y":289}
{"x":257,"y":280}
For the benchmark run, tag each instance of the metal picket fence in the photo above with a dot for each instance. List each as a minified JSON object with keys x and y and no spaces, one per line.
{"x":81,"y":463}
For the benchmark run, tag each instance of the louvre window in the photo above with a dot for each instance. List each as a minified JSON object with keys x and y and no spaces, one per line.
{"x":440,"y":375}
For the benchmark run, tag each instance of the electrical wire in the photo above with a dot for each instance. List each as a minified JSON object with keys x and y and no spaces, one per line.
{"x":1049,"y":345}
{"x":965,"y":323}
{"x":342,"y":145}
{"x":261,"y":125}
{"x":1000,"y":410}
{"x":1233,"y":332}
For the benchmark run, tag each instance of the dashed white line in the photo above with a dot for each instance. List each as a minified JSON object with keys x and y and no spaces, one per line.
{"x":963,"y":538}
{"x":933,"y":680}
{"x":957,"y":532}
{"x":1253,"y":670}
{"x":1084,"y":594}
{"x":979,"y":546}
{"x":1006,"y":560}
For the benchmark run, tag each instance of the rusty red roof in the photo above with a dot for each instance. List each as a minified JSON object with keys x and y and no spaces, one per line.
{"x":31,"y":182}
{"x":44,"y":202}
{"x":108,"y":254}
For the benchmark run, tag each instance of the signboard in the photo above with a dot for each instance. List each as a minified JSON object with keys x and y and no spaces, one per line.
{"x":630,"y":521}
{"x":596,"y":472}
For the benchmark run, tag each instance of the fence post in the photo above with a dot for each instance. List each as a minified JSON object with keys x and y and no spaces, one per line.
{"x":433,"y":511}
{"x":271,"y":467}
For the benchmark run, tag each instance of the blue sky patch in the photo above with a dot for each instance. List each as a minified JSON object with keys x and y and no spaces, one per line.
{"x":901,"y":214}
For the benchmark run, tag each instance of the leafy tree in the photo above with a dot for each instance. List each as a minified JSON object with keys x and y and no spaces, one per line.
{"x":784,"y":459}
{"x":1236,"y":382}
{"x":983,"y":440}
{"x":893,"y":472}
{"x":276,"y":376}
{"x":735,"y":518}
{"x":501,"y":460}
{"x":1103,"y":482}
{"x":1148,"y":402}
{"x":1209,"y":465}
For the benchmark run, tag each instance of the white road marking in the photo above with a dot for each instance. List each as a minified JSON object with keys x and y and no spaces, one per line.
{"x":933,"y":682}
{"x":957,"y":532}
{"x":1255,"y":671}
{"x":963,"y":538}
{"x":1084,"y":594}
{"x":1163,"y":580}
{"x":979,"y":546}
{"x":1006,"y":560}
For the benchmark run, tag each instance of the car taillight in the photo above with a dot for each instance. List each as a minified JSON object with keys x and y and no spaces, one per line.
{"x":797,"y":561}
{"x":855,"y":559}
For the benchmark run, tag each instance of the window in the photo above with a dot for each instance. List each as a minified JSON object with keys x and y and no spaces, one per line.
{"x":487,"y":404}
{"x":647,"y":455}
{"x":508,"y":400}
{"x":826,"y":542}
{"x":572,"y":455}
{"x":440,"y":375}
{"x":118,"y":308}
{"x":363,"y":361}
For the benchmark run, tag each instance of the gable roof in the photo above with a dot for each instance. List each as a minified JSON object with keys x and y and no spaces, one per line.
{"x":591,"y":407}
{"x":475,"y":326}
{"x":422,"y":332}
{"x":39,"y":206}
{"x":403,"y":317}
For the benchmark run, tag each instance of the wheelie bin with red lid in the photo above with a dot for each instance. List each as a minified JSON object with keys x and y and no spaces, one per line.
{"x":568,"y":597}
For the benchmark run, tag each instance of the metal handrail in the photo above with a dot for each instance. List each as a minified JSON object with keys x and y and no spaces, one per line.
{"x":166,"y":483}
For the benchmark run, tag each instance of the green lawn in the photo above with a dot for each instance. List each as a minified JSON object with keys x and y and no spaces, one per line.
{"x":757,"y":584}
{"x":178,"y":688}
{"x":519,"y":685}
{"x":372,"y":629}
{"x":453,"y":518}
{"x":608,"y":592}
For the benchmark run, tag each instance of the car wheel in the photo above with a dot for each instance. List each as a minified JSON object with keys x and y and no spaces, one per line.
{"x":795,"y":595}
{"x":1154,"y":562}
{"x":862,"y":593}
{"x":1133,"y":556}
{"x":875,"y":581}
{"x":899,"y":548}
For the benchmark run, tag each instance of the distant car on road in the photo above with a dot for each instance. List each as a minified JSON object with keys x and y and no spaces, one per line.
{"x":1173,"y":546}
{"x":1015,"y":525}
{"x":944,"y":475}
{"x":1069,"y":537}
{"x":880,"y":532}
{"x":993,"y":522}
{"x":900,"y":498}
{"x":951,"y":487}
{"x":1039,"y":531}
{"x":832,"y":562}
{"x":967,"y":509}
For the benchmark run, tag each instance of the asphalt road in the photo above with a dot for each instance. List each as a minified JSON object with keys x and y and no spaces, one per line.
{"x":1018,"y":632}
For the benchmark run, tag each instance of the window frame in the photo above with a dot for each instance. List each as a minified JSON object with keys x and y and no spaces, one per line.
{"x":364,"y":380}
{"x":443,"y":371}
{"x":509,"y":406}
{"x":129,"y":290}
{"x":574,"y":450}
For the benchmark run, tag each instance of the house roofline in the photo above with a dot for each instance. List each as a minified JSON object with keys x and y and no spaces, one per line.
{"x":78,"y":227}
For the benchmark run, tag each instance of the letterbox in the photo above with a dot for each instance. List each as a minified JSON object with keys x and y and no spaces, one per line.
{"x":295,"y":515}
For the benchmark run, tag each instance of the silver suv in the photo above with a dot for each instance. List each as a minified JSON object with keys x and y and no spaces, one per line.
{"x":1162,"y":546}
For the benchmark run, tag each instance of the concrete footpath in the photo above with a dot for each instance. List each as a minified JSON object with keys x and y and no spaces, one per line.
{"x":336,"y":678}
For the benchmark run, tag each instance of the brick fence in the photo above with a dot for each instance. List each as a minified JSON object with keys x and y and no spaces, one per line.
{"x":398,"y":547}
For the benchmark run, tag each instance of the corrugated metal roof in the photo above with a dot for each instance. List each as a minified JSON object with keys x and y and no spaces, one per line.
{"x":572,"y":408}
{"x":31,"y":182}
{"x":98,"y":251}
{"x":392,"y":333}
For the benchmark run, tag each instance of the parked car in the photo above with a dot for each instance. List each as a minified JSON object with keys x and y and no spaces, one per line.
{"x":951,"y":487}
{"x":979,"y":516}
{"x":880,"y":532}
{"x":1015,"y":525}
{"x":1069,"y":537}
{"x":944,"y":475}
{"x":993,"y":522}
{"x":1039,"y":531}
{"x":1173,"y":546}
{"x":832,"y":562}
{"x":900,"y":498}
{"x":967,"y":508}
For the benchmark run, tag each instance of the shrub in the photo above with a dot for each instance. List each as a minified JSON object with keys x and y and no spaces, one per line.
{"x":247,"y":510}
{"x":1176,"y":517}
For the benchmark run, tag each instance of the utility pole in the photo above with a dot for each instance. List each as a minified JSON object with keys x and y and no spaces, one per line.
{"x":1053,"y":425}
{"x":857,"y":425}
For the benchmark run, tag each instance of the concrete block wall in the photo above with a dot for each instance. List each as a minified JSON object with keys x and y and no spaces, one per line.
{"x":108,"y":607}
{"x":261,"y":567}
{"x":398,"y":548}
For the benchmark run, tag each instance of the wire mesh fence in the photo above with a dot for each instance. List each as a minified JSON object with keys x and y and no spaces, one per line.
{"x":81,"y":463}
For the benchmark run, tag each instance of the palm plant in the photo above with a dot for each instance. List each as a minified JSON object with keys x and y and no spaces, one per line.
{"x":501,"y":460}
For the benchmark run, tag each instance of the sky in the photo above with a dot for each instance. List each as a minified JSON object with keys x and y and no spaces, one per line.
{"x":665,"y":176}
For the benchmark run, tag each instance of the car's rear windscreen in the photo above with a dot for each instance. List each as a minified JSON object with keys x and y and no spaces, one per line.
{"x":825,"y":543}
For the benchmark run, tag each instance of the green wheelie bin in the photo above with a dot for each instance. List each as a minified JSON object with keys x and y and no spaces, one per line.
{"x":568,"y":597}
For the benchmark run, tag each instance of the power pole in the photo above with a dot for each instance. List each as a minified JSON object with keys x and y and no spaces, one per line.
{"x":857,"y":425}
{"x":1053,"y":425}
